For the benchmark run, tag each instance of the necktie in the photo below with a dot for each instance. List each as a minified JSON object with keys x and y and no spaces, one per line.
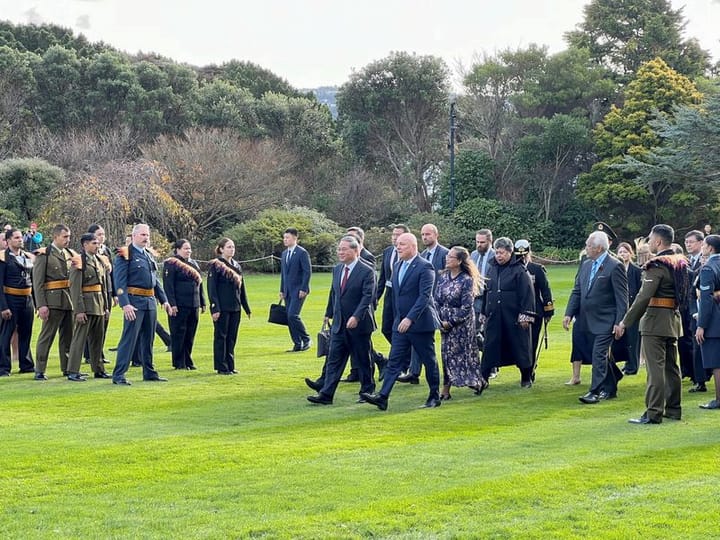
{"x":401,"y":272}
{"x":344,"y":279}
{"x":428,"y":255}
{"x":393,"y":258}
{"x":593,"y":271}
{"x":288,"y":256}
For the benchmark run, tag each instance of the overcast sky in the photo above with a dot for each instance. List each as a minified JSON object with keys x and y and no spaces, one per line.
{"x":319,"y":42}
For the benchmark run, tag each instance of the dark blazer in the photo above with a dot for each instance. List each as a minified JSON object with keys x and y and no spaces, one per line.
{"x":183,"y":283}
{"x":413,"y":299}
{"x":137,"y":268}
{"x":16,"y":274}
{"x":604,"y":304}
{"x":709,"y":309}
{"x":634,"y":275}
{"x":438,"y":258}
{"x":295,"y":273}
{"x":355,"y":301}
{"x":368,"y":257}
{"x":226,"y":286}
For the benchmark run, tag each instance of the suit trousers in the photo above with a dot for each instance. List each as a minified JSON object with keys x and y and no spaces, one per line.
{"x":90,"y":335}
{"x":685,"y":353}
{"x":225,"y":337}
{"x":59,"y":321}
{"x":604,"y":377}
{"x":342,"y":344}
{"x":298,"y":333}
{"x":137,"y":338}
{"x":22,"y":321}
{"x":663,"y":391}
{"x":399,"y":360}
{"x":387,"y":316}
{"x":183,"y":327}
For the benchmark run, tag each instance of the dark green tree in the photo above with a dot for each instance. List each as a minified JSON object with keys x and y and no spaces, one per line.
{"x":26,"y":184}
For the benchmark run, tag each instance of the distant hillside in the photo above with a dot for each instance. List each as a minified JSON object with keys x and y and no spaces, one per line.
{"x":326,"y":95}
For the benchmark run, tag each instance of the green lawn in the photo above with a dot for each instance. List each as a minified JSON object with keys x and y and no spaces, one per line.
{"x":205,"y":456}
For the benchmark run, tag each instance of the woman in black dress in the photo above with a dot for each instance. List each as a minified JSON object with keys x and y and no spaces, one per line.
{"x":183,"y":287}
{"x":627,"y":348}
{"x":508,"y":310}
{"x":226,"y":293}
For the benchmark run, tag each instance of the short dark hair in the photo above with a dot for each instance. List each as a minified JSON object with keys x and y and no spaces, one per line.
{"x":665,"y":232}
{"x":87,"y":237}
{"x":291,"y":230}
{"x":713,"y":240}
{"x":60,"y":228}
{"x":179,"y":243}
{"x":402,"y":226}
{"x":699,"y":235}
{"x":485,"y":232}
{"x":358,"y":232}
{"x":93,"y":228}
{"x":9,"y":233}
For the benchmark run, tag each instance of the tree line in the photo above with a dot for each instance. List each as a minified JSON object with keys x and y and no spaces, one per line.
{"x":619,"y":127}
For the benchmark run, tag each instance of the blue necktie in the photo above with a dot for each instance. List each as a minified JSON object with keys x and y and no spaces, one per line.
{"x":593,"y":271}
{"x":401,"y":272}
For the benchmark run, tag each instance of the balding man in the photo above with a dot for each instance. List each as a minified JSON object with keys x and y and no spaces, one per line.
{"x":598,"y":303}
{"x":414,"y":324}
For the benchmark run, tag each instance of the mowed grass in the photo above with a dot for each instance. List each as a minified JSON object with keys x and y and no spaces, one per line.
{"x":205,"y":456}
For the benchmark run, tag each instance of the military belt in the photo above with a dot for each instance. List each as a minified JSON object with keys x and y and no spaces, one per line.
{"x":17,"y":292}
{"x":92,"y":288}
{"x":662,"y":302}
{"x":58,"y":284}
{"x":139,"y":291}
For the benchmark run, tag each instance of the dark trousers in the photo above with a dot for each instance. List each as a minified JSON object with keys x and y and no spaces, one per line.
{"x":664,"y":386}
{"x":604,"y":372}
{"x":60,"y":322}
{"x":88,"y":335}
{"x":163,"y":334}
{"x":343,"y":344}
{"x":298,"y":333}
{"x":387,"y":316}
{"x":700,"y":374}
{"x":138,"y":334}
{"x":399,"y":360}
{"x":685,"y":352}
{"x":226,"y":332}
{"x":22,"y":320}
{"x":183,"y":327}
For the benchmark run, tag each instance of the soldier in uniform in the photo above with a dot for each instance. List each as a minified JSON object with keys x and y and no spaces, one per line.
{"x":665,"y":287}
{"x":137,"y":286}
{"x":544,"y":306}
{"x":103,"y":253}
{"x":89,"y":284}
{"x":52,"y":299}
{"x":16,"y":307}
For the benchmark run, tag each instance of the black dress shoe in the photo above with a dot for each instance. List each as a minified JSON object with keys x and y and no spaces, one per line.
{"x":590,"y":398}
{"x":361,"y":400}
{"x":113,"y":349}
{"x":296,"y":348}
{"x":409,"y":378}
{"x":627,"y":372}
{"x":102,"y":375}
{"x":40,"y":377}
{"x":431,"y":403}
{"x":4,"y":374}
{"x":313,"y":385}
{"x":76,"y":377}
{"x":306,"y":346}
{"x":26,"y":371}
{"x":378,"y":400}
{"x":526,"y":384}
{"x":603,"y":395}
{"x":698,"y":388}
{"x":320,"y":400}
{"x":224,"y":372}
{"x":156,"y":379}
{"x":105,"y":361}
{"x":123,"y":382}
{"x":644,"y":420}
{"x":671,"y":416}
{"x":481,"y":387}
{"x":352,"y":377}
{"x":136,"y":364}
{"x":445,"y":397}
{"x":191,"y":368}
{"x":714,"y":404}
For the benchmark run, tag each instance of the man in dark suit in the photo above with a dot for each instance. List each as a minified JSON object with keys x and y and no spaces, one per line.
{"x":414,"y":324}
{"x":688,"y":348}
{"x":436,"y":254}
{"x":598,"y":303}
{"x":295,"y":272}
{"x":350,"y":308}
{"x":138,"y":290}
{"x":389,"y":258}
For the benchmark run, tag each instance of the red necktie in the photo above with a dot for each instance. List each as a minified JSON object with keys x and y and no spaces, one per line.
{"x":344,"y":279}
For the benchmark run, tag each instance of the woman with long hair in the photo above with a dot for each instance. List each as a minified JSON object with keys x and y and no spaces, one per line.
{"x":627,"y":348}
{"x":183,"y":287}
{"x":226,"y":293}
{"x":457,"y":286}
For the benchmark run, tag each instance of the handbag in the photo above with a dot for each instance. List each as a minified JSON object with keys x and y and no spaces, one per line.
{"x":323,"y":341}
{"x":278,"y":314}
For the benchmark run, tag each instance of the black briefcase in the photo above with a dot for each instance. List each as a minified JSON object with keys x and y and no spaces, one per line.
{"x":323,"y":341}
{"x":278,"y":314}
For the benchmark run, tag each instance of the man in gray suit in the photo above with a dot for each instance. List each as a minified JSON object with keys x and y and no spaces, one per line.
{"x":598,"y":303}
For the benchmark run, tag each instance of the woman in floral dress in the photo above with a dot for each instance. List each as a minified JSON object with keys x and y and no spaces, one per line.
{"x":457,"y":287}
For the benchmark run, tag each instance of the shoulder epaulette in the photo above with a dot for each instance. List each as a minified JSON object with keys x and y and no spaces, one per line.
{"x":73,"y":253}
{"x":105,"y":262}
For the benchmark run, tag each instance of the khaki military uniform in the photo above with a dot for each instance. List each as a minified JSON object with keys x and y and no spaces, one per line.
{"x":89,"y":285}
{"x":52,"y":289}
{"x":660,"y":327}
